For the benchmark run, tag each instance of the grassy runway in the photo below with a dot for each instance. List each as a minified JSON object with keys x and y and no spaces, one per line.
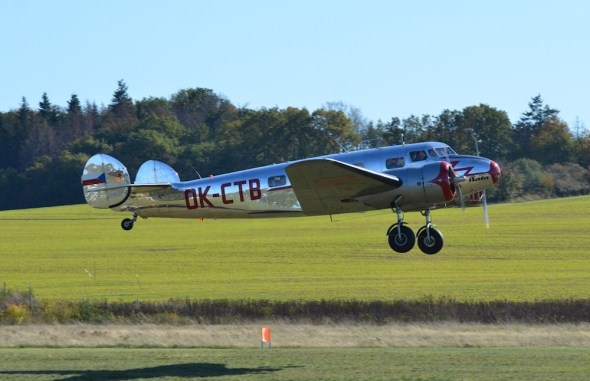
{"x":533,"y":251}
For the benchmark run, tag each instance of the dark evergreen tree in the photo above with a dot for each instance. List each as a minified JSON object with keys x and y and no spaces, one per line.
{"x":48,"y":111}
{"x":74,"y":106}
{"x":92,"y":118}
{"x":122,"y":104}
{"x":120,"y":118}
{"x":22,"y":132}
{"x":529,"y":123}
{"x":72,"y":125}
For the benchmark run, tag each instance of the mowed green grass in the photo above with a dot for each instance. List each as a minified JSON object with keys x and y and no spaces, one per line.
{"x":406,"y":364}
{"x":533,"y":251}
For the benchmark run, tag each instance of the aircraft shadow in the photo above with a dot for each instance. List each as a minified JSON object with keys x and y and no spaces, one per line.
{"x":190,"y":370}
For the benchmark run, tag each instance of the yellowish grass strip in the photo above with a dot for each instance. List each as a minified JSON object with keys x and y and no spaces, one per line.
{"x":298,"y":335}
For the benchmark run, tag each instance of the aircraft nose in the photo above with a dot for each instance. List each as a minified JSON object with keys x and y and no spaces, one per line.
{"x":495,"y":171}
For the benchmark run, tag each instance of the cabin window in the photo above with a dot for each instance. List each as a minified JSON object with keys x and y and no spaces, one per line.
{"x":277,"y":181}
{"x":394,"y":162}
{"x":418,"y":155}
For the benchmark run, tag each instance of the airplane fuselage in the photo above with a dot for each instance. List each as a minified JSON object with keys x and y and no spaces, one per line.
{"x":267,"y":191}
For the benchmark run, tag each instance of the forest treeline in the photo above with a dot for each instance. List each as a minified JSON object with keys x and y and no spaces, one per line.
{"x":43,"y":148}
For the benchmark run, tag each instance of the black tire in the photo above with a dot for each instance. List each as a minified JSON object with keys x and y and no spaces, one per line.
{"x":401,"y":241}
{"x":434,"y":244}
{"x":127,"y":224}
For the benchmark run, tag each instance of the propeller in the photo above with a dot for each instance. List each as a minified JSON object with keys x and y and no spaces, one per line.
{"x":484,"y":205}
{"x":457,"y":180}
{"x":484,"y":202}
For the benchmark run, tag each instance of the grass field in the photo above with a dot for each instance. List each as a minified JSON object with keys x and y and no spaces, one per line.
{"x":418,"y":364}
{"x":533,"y":251}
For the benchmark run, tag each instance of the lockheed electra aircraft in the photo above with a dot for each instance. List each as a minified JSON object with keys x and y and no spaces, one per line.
{"x":409,"y":177}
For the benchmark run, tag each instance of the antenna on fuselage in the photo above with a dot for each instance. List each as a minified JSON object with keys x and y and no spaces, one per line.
{"x":340,"y":145}
{"x":403,"y":141}
{"x":197,"y":172}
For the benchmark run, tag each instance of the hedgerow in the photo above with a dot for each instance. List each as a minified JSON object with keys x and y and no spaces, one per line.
{"x":16,"y":308}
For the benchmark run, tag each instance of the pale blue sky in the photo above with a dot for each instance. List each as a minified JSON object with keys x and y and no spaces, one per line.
{"x":387,"y":58}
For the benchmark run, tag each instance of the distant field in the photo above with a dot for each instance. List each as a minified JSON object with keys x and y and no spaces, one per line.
{"x":533,"y":251}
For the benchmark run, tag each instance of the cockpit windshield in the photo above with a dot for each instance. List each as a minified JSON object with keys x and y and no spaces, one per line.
{"x":445,"y":151}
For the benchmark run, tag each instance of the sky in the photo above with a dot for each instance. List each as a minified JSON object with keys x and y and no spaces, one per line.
{"x":387,"y":58}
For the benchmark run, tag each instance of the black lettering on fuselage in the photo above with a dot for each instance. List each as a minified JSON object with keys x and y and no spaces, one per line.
{"x":478,"y":178}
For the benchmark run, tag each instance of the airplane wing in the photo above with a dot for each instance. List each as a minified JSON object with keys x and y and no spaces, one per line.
{"x":327,"y":186}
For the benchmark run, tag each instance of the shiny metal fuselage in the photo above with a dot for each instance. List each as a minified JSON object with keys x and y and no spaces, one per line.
{"x":267,"y":192}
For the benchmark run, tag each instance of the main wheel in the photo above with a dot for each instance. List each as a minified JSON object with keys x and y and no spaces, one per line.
{"x":430,"y":245}
{"x":401,"y":239}
{"x":127,"y":224}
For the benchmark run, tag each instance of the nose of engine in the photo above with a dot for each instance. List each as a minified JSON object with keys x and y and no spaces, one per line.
{"x":495,"y":171}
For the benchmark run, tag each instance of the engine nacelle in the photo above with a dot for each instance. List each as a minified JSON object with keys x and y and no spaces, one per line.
{"x":426,"y":186}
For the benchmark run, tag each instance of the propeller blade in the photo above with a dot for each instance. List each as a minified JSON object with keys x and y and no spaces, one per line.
{"x":484,"y":205}
{"x":461,"y":199}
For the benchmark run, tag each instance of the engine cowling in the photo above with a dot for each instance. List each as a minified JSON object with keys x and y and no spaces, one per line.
{"x":426,"y":186}
{"x":439,"y":182}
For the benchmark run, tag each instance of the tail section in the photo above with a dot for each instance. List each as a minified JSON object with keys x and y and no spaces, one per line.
{"x":156,"y":172}
{"x":105,"y":182}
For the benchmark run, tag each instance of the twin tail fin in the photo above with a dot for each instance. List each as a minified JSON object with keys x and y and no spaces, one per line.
{"x":106,"y":182}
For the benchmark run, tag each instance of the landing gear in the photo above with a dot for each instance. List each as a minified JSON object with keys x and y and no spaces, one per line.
{"x":127,"y":223}
{"x":430,"y":240}
{"x":402,"y":239}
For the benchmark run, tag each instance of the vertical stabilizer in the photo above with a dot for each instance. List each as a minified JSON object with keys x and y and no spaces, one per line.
{"x":105,"y":182}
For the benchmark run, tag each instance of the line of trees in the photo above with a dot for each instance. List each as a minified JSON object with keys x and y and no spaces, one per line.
{"x":43,"y":149}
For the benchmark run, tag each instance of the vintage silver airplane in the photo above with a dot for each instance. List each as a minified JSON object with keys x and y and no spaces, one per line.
{"x":409,"y":177}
